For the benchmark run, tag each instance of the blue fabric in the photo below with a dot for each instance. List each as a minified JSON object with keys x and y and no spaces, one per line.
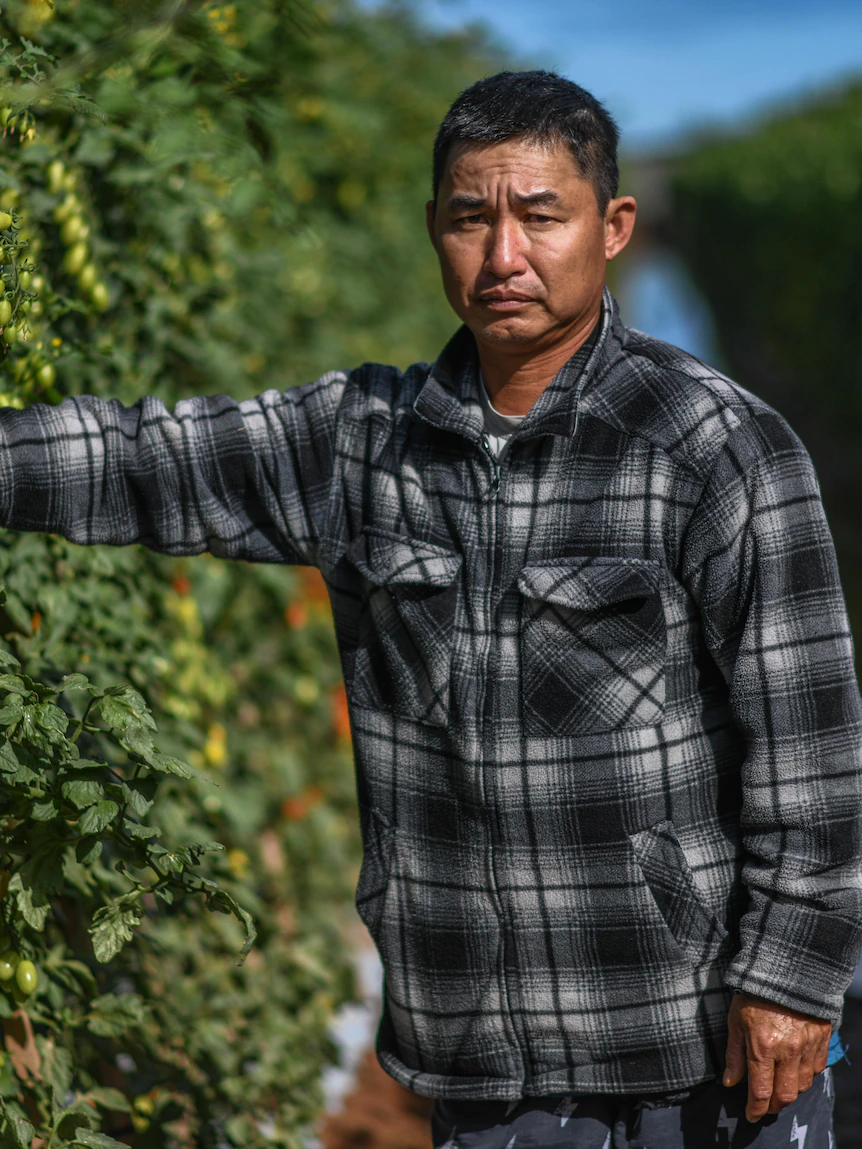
{"x":837,"y":1050}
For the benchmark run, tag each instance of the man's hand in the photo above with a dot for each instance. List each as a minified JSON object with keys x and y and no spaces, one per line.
{"x":780,"y":1048}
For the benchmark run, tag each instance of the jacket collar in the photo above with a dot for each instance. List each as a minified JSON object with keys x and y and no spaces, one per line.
{"x":449,"y":396}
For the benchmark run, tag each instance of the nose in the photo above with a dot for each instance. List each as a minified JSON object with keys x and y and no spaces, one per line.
{"x":505,"y":255}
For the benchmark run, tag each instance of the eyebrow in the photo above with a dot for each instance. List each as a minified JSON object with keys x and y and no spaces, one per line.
{"x":534,"y":199}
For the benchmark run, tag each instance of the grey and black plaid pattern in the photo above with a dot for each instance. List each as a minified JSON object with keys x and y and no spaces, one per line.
{"x":607,"y":729}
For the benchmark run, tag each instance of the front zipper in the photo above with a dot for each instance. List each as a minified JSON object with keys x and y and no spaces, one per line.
{"x":491,"y":501}
{"x":495,"y":465}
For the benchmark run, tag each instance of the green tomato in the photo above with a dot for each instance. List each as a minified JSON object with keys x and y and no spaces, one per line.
{"x":10,"y":334}
{"x":46,"y":375}
{"x":5,"y":312}
{"x":25,"y":278}
{"x":71,"y":229}
{"x":26,"y":977}
{"x":24,"y":306}
{"x":38,"y":283}
{"x":87,"y":277}
{"x":37,"y":308}
{"x":8,"y":965}
{"x":63,"y":210}
{"x":75,"y":258}
{"x":100,"y":297}
{"x":5,"y":220}
{"x":55,"y":174}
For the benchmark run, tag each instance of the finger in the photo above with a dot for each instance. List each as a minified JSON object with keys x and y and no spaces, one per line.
{"x":735,"y":1059}
{"x":761,"y":1075}
{"x":822,"y":1053}
{"x":785,"y":1084}
{"x":806,"y":1071}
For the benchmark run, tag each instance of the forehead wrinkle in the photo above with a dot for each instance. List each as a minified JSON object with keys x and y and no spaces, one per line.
{"x":524,"y":199}
{"x":536,"y":199}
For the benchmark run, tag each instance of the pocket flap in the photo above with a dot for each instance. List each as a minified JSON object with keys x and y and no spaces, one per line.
{"x":389,"y":559}
{"x":589,"y":583}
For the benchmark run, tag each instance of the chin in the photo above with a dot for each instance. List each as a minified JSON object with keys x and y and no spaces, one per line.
{"x":508,"y":330}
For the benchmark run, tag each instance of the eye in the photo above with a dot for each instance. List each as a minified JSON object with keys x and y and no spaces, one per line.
{"x":535,"y":217}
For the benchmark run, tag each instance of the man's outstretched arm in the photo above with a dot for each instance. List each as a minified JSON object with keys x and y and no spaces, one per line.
{"x":246,"y":480}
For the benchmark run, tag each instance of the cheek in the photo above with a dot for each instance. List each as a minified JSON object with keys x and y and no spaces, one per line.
{"x":460,"y":259}
{"x":566,"y":266}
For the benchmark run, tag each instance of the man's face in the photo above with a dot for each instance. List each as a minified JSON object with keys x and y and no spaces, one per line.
{"x":521,"y":243}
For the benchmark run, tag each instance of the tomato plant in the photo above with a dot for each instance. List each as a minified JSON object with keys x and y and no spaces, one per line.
{"x":201,"y":197}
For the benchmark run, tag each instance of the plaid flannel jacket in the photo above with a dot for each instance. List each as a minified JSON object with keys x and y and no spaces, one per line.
{"x":607,"y":730}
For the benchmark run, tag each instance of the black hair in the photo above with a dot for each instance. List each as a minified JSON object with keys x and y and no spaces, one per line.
{"x":542,"y":107}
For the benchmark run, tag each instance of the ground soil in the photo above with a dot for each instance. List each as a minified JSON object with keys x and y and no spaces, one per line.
{"x":379,"y":1114}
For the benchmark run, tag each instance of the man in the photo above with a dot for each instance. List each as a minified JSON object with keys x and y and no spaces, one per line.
{"x":606,"y":723}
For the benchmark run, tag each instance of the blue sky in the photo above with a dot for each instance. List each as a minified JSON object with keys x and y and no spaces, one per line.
{"x":667,"y":66}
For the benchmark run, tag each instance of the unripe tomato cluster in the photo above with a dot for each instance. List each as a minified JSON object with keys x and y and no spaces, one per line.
{"x":18,"y":975}
{"x":16,"y":299}
{"x":20,"y":305}
{"x":31,"y":369}
{"x":74,"y":232}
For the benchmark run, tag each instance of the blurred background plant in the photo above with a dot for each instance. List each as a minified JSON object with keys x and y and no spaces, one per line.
{"x":769,"y":224}
{"x":205,"y":197}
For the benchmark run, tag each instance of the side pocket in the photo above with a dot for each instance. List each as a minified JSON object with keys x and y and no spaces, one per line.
{"x":695,"y":928}
{"x":378,"y":840}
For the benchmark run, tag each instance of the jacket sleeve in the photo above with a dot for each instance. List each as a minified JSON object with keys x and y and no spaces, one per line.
{"x":247,"y":480}
{"x":760,"y":562}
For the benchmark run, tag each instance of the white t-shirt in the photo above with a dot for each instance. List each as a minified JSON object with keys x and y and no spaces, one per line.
{"x":499,"y":428}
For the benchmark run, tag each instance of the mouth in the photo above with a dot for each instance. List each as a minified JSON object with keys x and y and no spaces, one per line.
{"x":510,"y":301}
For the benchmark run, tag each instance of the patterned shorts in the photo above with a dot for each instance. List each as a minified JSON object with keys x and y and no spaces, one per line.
{"x":713,"y":1118}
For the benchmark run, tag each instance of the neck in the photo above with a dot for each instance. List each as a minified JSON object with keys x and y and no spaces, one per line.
{"x":516,"y":376}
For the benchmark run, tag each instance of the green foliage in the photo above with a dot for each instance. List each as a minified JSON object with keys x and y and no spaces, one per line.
{"x":79,"y":773}
{"x":770,"y":224}
{"x":203,"y":197}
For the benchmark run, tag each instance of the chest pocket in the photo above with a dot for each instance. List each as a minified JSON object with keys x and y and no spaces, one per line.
{"x":403,"y":659}
{"x":593,"y":644}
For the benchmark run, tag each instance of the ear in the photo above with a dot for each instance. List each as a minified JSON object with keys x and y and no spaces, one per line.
{"x":619,"y":224}
{"x":430,"y":217}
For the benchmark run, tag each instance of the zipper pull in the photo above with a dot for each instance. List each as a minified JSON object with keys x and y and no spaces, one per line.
{"x":486,"y":447}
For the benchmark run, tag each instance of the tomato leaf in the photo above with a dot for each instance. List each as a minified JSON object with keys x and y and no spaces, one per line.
{"x":73,"y":682}
{"x":35,"y":882}
{"x":222,"y":902}
{"x":43,"y":811}
{"x":83,"y":793}
{"x":11,"y":710}
{"x":165,"y":764}
{"x":18,"y":1126}
{"x":140,"y":833}
{"x":96,"y":818}
{"x":92,"y":1139}
{"x":114,"y":925}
